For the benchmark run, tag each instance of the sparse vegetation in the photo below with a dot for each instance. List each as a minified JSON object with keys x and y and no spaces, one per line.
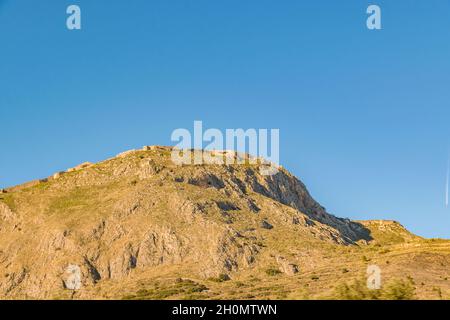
{"x":8,"y":199}
{"x":399,"y":290}
{"x":152,"y":230}
{"x":180,"y":289}
{"x":273,"y":272}
{"x":357,"y":290}
{"x":221,"y":278}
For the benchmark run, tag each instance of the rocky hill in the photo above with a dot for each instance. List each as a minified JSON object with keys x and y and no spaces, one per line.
{"x":138,"y":226}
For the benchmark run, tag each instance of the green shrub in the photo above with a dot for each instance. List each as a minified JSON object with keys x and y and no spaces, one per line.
{"x":272,"y":272}
{"x":396,"y":289}
{"x":399,"y":290}
{"x":221,"y":278}
{"x":355,"y":291}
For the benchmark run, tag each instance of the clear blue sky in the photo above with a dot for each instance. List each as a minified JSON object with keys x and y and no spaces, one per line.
{"x":363,"y":115}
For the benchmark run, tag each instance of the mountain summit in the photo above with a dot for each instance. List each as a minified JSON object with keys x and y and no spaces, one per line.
{"x":139,"y":226}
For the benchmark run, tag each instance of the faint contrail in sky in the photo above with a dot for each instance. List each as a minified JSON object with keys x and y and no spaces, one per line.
{"x":446,"y":182}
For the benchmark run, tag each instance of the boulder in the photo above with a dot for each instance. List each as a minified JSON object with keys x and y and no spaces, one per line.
{"x":286,"y":266}
{"x":266,"y":225}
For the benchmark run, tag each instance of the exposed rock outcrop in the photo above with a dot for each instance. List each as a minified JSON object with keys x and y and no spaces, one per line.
{"x":138,"y":212}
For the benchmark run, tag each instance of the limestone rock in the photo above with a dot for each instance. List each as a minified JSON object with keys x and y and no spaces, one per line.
{"x":72,"y":277}
{"x":287,"y":267}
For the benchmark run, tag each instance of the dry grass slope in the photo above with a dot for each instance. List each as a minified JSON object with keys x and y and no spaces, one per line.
{"x":139,"y":227}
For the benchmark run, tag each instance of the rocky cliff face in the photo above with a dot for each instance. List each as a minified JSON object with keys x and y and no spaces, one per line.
{"x":109,"y":222}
